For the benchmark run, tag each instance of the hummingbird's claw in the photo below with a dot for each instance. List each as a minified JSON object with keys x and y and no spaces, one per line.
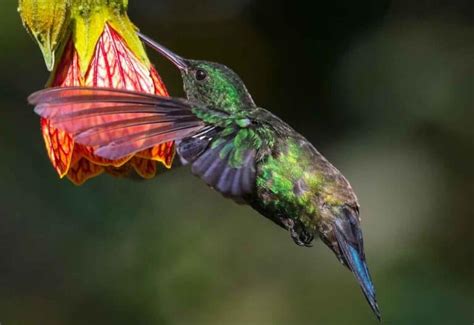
{"x":298,"y":233}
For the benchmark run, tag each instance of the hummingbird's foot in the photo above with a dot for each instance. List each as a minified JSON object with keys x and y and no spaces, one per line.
{"x":298,"y":233}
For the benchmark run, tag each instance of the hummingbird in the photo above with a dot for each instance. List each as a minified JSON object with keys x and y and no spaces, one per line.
{"x":237,"y":148}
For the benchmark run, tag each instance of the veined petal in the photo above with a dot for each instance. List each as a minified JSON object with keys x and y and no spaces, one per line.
{"x":115,"y":66}
{"x":83,"y":170}
{"x":163,"y":153}
{"x":59,"y":145}
{"x":146,"y":168}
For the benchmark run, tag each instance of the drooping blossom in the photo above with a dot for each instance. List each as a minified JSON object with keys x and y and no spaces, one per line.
{"x":96,"y":46}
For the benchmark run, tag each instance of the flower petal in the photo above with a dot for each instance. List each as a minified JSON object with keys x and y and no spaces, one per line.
{"x":163,"y":153}
{"x":59,"y":145}
{"x":146,"y":168}
{"x":83,"y":170}
{"x":113,"y":65}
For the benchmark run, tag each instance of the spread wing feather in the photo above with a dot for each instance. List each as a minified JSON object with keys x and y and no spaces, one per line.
{"x":116,"y":122}
{"x":222,"y":162}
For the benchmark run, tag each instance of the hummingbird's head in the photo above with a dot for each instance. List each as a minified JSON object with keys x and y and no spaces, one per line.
{"x":206,"y":82}
{"x":215,"y":85}
{"x":339,"y":229}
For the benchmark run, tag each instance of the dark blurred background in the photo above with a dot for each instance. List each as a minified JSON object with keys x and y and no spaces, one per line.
{"x":383,"y":89}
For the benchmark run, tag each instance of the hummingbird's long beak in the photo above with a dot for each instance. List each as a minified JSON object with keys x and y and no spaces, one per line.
{"x":178,"y":61}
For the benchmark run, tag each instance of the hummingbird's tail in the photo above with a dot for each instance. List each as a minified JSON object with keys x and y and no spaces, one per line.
{"x":117,"y":123}
{"x":351,"y":247}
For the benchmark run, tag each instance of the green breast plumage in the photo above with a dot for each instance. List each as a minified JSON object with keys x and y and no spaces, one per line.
{"x":285,"y":184}
{"x":295,"y":181}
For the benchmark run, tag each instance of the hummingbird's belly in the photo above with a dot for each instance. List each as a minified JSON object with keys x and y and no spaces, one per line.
{"x":287,"y":186}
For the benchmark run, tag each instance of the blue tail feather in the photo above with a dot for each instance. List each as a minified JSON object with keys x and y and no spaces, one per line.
{"x":360,"y":270}
{"x":349,"y":239}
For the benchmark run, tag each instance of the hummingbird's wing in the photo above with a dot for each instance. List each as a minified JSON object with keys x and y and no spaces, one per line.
{"x":116,"y":122}
{"x":220,"y":147}
{"x":224,"y":158}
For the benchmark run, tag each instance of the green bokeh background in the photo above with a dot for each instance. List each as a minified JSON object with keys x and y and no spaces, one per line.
{"x":383,"y":89}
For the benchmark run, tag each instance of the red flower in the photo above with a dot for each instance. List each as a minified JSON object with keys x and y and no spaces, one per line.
{"x":107,"y":61}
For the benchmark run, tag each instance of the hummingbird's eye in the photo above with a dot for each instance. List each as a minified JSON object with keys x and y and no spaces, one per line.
{"x":201,"y":75}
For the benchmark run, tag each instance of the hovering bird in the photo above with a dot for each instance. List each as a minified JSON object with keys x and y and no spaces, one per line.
{"x":239,"y":149}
